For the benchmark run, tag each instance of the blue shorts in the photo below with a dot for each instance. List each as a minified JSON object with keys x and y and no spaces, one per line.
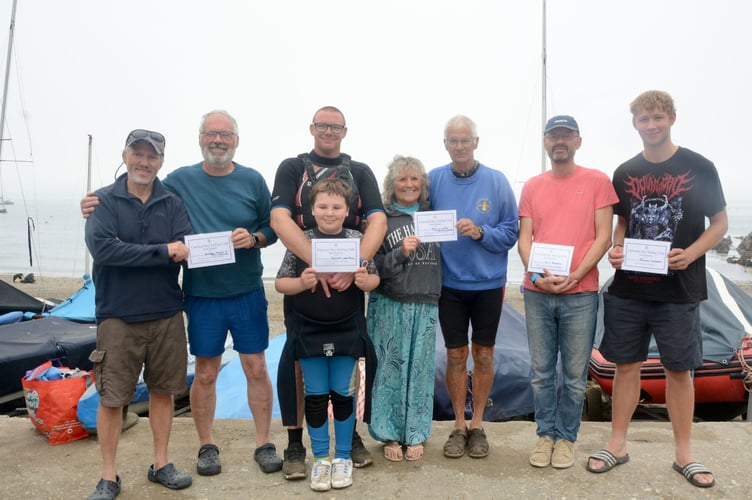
{"x":629,"y":323}
{"x":458,"y":309}
{"x":244,"y":316}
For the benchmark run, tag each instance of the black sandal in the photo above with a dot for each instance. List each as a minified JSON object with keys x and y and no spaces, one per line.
{"x":106,"y":490}
{"x":170,"y":477}
{"x":267,"y":458}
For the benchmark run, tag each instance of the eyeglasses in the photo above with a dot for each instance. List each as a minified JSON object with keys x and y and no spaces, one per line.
{"x":140,"y":133}
{"x":223,"y":134}
{"x":454,"y":142}
{"x":336,"y":128}
{"x":560,"y":135}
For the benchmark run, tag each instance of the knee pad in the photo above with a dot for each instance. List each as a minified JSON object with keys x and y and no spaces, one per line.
{"x":316,"y":409}
{"x":342,"y":405}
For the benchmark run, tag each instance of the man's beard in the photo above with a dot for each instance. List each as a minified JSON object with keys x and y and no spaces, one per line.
{"x":215,"y":160}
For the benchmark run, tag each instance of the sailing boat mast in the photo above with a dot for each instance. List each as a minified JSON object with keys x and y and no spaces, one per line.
{"x":543,"y":88}
{"x":87,"y":261}
{"x":5,"y":89}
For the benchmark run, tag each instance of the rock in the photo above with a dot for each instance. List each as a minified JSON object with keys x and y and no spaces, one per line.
{"x":745,"y":245}
{"x":745,"y":258}
{"x":724,"y":245}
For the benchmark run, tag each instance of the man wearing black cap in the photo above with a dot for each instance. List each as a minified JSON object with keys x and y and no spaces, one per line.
{"x":136,"y":240}
{"x":571,"y":207}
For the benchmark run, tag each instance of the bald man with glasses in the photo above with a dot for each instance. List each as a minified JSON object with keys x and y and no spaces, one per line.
{"x":291,"y":214}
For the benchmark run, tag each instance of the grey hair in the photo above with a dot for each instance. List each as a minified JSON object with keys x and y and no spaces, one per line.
{"x":460,"y":120}
{"x":223,"y":113}
{"x":399,"y":165}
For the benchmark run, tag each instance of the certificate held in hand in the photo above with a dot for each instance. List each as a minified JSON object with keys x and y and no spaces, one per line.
{"x":547,"y":257}
{"x":646,"y":256}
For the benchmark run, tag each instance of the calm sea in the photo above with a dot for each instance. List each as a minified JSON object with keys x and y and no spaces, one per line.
{"x":58,"y":247}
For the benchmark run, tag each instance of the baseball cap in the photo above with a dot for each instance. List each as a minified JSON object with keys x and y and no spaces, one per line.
{"x":155,"y":139}
{"x":565,"y":121}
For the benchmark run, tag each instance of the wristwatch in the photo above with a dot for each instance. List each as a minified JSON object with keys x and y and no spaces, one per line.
{"x":256,"y":240}
{"x":482,"y":233}
{"x":534,"y":277}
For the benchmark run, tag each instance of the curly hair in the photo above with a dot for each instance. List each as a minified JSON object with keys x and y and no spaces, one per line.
{"x":399,"y":165}
{"x":653,"y":100}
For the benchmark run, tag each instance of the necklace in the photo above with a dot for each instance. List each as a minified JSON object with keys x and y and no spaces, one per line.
{"x":468,"y":173}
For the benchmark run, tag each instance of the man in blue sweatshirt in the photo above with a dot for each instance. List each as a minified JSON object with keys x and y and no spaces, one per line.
{"x":474,"y":274}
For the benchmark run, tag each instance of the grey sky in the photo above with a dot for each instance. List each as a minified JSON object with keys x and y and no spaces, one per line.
{"x":398,"y":69}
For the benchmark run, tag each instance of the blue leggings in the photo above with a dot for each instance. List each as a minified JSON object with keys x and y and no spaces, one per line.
{"x":329,"y":378}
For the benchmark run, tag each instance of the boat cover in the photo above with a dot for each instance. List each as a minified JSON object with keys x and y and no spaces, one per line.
{"x":13,"y":299}
{"x":726,"y":319}
{"x":28,"y":344}
{"x":80,"y":306}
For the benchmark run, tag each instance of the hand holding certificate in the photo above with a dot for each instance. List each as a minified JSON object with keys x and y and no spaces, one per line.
{"x":436,"y":225}
{"x":547,"y":257}
{"x":647,"y":256}
{"x":335,"y":255}
{"x":210,"y":249}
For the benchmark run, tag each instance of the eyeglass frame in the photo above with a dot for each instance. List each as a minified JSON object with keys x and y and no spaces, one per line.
{"x":453,"y":143}
{"x":329,"y":126}
{"x":570,"y":134}
{"x":223,"y":134}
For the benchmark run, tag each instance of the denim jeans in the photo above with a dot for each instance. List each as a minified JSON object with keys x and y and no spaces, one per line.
{"x":560,"y":326}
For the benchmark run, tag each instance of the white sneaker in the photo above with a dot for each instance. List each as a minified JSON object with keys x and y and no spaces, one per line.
{"x":321,"y":475}
{"x":341,"y":472}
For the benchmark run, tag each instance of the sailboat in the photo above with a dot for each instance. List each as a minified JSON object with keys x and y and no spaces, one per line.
{"x":3,"y":201}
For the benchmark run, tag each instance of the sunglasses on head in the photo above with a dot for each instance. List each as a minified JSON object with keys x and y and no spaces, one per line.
{"x":140,"y":133}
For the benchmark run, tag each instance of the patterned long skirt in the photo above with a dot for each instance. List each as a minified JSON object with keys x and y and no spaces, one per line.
{"x":402,"y":396}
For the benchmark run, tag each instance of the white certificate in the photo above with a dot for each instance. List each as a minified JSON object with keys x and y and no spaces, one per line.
{"x":335,"y":255}
{"x":210,"y":249}
{"x":436,"y":225}
{"x":647,"y":256}
{"x":548,"y":257}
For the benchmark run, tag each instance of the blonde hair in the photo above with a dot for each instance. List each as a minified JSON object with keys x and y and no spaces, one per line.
{"x":399,"y":165}
{"x":653,"y":100}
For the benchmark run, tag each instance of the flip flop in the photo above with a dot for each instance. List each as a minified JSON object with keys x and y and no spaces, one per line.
{"x":689,"y":472}
{"x":414,"y":452}
{"x":393,"y":451}
{"x":609,"y":461}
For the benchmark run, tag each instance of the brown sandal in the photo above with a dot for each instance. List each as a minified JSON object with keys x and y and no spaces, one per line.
{"x":455,"y":445}
{"x":393,"y":451}
{"x":477,"y":443}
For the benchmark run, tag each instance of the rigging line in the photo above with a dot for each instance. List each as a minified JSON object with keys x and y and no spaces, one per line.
{"x":22,"y":99}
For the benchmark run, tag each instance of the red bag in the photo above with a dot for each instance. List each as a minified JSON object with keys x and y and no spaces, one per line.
{"x":52,"y":403}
